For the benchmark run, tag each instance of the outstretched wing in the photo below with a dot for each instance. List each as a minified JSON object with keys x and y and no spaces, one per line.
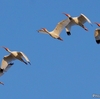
{"x":6,"y":60}
{"x":84,"y":19}
{"x":25,"y":57}
{"x":61,"y":25}
{"x":68,"y":27}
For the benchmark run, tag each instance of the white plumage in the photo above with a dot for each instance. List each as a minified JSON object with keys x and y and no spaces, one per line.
{"x":80,"y":20}
{"x":56,"y":32}
{"x":97,"y":34}
{"x":6,"y":61}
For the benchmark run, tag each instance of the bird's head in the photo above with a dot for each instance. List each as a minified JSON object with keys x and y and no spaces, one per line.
{"x":5,"y":48}
{"x":97,"y":24}
{"x":42,"y":30}
{"x":68,"y":15}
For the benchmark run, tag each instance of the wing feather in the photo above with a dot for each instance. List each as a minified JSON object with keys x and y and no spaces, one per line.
{"x":6,"y":60}
{"x":68,"y":27}
{"x":61,"y":25}
{"x":25,"y":57}
{"x":84,"y":19}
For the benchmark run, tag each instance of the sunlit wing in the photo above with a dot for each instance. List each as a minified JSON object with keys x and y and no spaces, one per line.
{"x":8,"y":67}
{"x":84,"y":19}
{"x":6,"y":60}
{"x":61,"y":25}
{"x":68,"y":27}
{"x":25,"y":57}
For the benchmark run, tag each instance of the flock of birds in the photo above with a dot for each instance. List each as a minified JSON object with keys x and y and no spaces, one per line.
{"x":67,"y":24}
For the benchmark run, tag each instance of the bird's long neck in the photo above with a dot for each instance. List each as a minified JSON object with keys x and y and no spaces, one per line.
{"x":70,"y":18}
{"x":47,"y":31}
{"x":9,"y":51}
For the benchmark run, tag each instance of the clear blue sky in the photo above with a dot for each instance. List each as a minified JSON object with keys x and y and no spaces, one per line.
{"x":59,"y":70}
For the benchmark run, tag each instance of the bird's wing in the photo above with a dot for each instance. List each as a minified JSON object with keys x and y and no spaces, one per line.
{"x":61,"y":25}
{"x":6,"y":60}
{"x":68,"y":27}
{"x":97,"y":34}
{"x":8,"y":66}
{"x":25,"y":57}
{"x":82,"y":18}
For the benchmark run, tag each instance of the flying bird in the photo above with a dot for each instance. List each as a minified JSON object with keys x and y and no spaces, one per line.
{"x":80,"y":20}
{"x":2,"y":83}
{"x":97,"y":34}
{"x":56,"y":32}
{"x":7,"y":60}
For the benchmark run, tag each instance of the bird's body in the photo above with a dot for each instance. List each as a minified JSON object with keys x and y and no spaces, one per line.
{"x":7,"y":60}
{"x":80,"y":20}
{"x":97,"y":34}
{"x":56,"y":32}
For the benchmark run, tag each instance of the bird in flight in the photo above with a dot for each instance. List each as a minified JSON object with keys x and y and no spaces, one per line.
{"x":80,"y":20}
{"x":57,"y":30}
{"x":97,"y":34}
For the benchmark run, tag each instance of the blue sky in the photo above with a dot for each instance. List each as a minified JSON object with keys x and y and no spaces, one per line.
{"x":59,"y":70}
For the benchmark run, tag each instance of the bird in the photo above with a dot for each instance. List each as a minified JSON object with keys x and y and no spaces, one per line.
{"x":7,"y":60}
{"x":97,"y":34}
{"x":57,"y":30}
{"x":2,"y":83}
{"x":80,"y":20}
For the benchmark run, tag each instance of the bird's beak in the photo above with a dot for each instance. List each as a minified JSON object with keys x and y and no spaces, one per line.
{"x":97,"y":24}
{"x":5,"y":48}
{"x":66,"y":14}
{"x":38,"y":31}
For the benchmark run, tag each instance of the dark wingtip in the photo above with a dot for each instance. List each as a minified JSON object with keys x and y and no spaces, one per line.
{"x":29,"y":63}
{"x":98,"y":41}
{"x":91,"y":24}
{"x":68,"y":33}
{"x":11,"y":64}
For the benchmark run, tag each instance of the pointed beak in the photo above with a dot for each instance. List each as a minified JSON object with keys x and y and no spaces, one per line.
{"x":38,"y":31}
{"x":3,"y":47}
{"x":66,"y":14}
{"x":97,"y":24}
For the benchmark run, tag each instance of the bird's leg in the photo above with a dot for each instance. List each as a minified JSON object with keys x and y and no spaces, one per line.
{"x":84,"y":27}
{"x":59,"y":38}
